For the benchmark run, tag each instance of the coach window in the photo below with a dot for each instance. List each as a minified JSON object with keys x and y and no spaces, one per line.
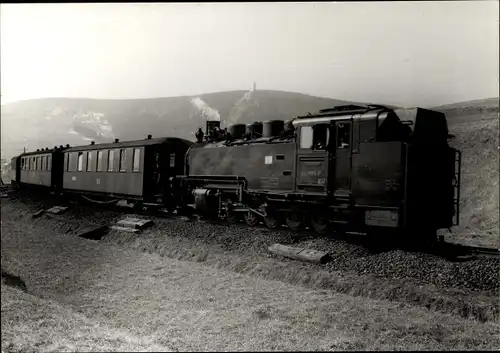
{"x":38,"y":163}
{"x":80,"y":161}
{"x":172,"y":160}
{"x":111,"y":154}
{"x":137,"y":160}
{"x":306,"y":136}
{"x":122,"y":164}
{"x":89,"y":161}
{"x":43,"y":163}
{"x":68,"y":162}
{"x":99,"y":161}
{"x":49,"y":162}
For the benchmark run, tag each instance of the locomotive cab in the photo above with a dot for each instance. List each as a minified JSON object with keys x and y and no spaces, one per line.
{"x":392,"y":169}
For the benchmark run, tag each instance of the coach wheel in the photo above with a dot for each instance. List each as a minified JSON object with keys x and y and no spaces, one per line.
{"x":320,"y":223}
{"x":272,"y":220}
{"x":250,"y":218}
{"x":294,"y":220}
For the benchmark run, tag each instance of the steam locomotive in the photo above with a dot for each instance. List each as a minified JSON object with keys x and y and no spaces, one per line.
{"x":357,"y":168}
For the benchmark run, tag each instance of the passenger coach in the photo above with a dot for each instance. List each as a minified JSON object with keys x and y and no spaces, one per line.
{"x":40,"y":168}
{"x":138,"y":170}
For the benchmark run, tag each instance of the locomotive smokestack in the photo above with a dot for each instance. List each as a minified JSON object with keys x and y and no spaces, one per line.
{"x":150,"y":137}
{"x":117,"y":140}
{"x":92,"y":142}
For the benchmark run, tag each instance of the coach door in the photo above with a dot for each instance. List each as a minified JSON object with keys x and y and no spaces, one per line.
{"x":153,"y":183}
{"x":339,"y":168}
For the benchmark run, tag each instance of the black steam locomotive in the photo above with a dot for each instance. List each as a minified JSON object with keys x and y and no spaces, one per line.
{"x":351,"y":168}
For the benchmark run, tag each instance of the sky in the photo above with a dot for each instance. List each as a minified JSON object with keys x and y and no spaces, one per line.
{"x":402,"y":53}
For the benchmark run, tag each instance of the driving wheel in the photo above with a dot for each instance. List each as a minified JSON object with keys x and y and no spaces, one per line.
{"x":250,"y":218}
{"x":294,"y":220}
{"x":320,"y":223}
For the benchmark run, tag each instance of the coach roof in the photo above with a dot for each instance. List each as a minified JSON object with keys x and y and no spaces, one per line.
{"x":135,"y":143}
{"x":35,"y":153}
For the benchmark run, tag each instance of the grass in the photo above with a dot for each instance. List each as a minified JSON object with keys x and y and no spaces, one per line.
{"x":30,"y":323}
{"x":87,"y":295}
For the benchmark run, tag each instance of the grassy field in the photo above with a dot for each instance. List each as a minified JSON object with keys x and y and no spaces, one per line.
{"x":86,"y":295}
{"x":477,"y":137}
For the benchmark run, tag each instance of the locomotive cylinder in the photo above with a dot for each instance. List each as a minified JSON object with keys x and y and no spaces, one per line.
{"x":272,"y":128}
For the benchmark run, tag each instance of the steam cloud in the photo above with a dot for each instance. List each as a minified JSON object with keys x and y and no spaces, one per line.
{"x":206,"y":111}
{"x":241,"y":106}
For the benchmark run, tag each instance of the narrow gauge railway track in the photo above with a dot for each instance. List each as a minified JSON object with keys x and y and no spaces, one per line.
{"x":467,"y":250}
{"x":449,"y":250}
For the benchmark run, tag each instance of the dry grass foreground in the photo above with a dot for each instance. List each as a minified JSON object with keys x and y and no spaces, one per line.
{"x":86,"y":295}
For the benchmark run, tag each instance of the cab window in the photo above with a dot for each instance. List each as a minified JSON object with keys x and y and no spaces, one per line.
{"x":321,"y":136}
{"x":343,"y":135}
{"x":306,"y":137}
{"x":316,"y":137}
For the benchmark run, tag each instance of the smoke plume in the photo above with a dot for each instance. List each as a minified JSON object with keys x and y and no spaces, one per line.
{"x":242,"y":106}
{"x":206,"y":111}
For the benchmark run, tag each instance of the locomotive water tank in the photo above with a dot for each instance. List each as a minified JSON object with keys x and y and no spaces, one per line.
{"x":237,"y":131}
{"x":254,"y":130}
{"x":272,"y":128}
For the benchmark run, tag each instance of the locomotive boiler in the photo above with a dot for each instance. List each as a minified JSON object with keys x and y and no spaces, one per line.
{"x":362,"y":168}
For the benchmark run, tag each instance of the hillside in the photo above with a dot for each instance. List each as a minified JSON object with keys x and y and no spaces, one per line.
{"x":47,"y":122}
{"x":478,"y":106}
{"x":476,"y":128}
